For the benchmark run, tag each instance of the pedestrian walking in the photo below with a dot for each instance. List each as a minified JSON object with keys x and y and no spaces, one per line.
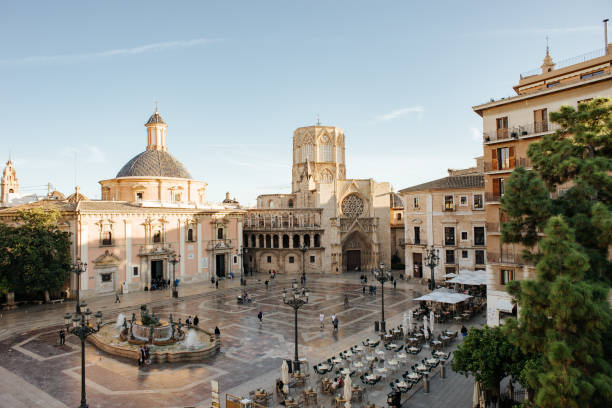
{"x":188,"y":321}
{"x":117,"y":300}
{"x":260,"y":317}
{"x":217,"y":331}
{"x":217,"y":283}
{"x":336,"y":323}
{"x":62,"y":337}
{"x":363,"y":289}
{"x":196,"y":320}
{"x":346,"y":301}
{"x":333,"y":319}
{"x":266,"y":284}
{"x":322,"y":319}
{"x":464,"y":330}
{"x":394,"y":284}
{"x":212,"y":281}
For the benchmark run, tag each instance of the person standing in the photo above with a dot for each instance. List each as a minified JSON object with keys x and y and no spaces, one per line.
{"x":62,"y":336}
{"x":212,"y":281}
{"x":394,"y":284}
{"x":196,"y":320}
{"x":260,"y":317}
{"x":117,"y":300}
{"x":464,"y":330}
{"x":217,"y":283}
{"x":266,"y":284}
{"x":333,"y":319}
{"x":322,"y":319}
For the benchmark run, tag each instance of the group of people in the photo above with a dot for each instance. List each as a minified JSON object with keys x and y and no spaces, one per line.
{"x":145,"y":355}
{"x":189,"y":321}
{"x":214,"y":282}
{"x":334,"y":320}
{"x":245,"y":298}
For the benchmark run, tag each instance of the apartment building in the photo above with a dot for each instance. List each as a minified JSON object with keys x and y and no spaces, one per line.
{"x":447,"y":214}
{"x":509,"y":126}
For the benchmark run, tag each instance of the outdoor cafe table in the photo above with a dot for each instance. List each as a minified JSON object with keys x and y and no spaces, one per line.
{"x":393,"y":346}
{"x":413,"y":339}
{"x":336,"y":360}
{"x":445,"y":338}
{"x":402,"y":385}
{"x":381,"y":371}
{"x":370,"y":377}
{"x":324,"y":367}
{"x":245,"y":402}
{"x":418,"y":335}
{"x":421,"y":367}
{"x":436,"y":342}
{"x":402,"y":356}
{"x":345,"y":371}
{"x":370,"y":358}
{"x":413,"y":349}
{"x":348,"y":354}
{"x":380,"y":352}
{"x":414,"y":376}
{"x":358,"y":364}
{"x":432,"y":361}
{"x":358,"y":348}
{"x":388,"y":336}
{"x":393,"y":363}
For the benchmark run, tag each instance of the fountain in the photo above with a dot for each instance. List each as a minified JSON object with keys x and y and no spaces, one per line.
{"x":167,"y":340}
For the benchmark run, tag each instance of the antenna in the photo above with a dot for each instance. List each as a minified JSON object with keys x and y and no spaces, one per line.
{"x":318,"y":120}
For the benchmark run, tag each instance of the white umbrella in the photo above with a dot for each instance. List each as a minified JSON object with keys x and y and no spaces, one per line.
{"x":431,"y":321}
{"x":285,"y":377}
{"x":405,"y":323}
{"x":348,"y":391}
{"x":425,"y":327}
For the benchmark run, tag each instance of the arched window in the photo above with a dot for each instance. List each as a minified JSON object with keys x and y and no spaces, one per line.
{"x":290,"y":203}
{"x":307,"y":240}
{"x":296,"y":241}
{"x":253,"y":244}
{"x":245,"y":239}
{"x":307,"y":152}
{"x":190,"y":234}
{"x":325,"y":153}
{"x":268,"y":241}
{"x":275,"y":241}
{"x":317,"y":241}
{"x":157,"y":237}
{"x":261,"y":240}
{"x":107,"y":238}
{"x":271,"y":204}
{"x":219,"y":233}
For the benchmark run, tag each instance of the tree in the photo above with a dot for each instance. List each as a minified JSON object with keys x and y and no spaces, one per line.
{"x":488,"y":355}
{"x":34,"y":254}
{"x":563,"y":324}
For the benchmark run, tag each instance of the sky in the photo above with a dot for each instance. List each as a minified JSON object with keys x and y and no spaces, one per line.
{"x":234,"y":79}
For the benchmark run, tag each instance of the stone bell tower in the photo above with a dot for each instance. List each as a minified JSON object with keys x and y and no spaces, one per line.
{"x":318,"y":157}
{"x":156,"y":132}
{"x":9,"y":183}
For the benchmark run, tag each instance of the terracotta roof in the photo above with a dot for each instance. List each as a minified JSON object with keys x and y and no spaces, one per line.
{"x":154,"y":163}
{"x":51,"y":204}
{"x":124,"y":206}
{"x":449,"y":183}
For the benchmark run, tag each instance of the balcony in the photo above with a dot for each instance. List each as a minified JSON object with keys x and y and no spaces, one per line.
{"x":520,"y":162}
{"x":516,"y":132}
{"x":214,"y":244}
{"x":281,"y":226}
{"x":492,"y":198}
{"x":157,"y":248}
{"x":504,"y":257}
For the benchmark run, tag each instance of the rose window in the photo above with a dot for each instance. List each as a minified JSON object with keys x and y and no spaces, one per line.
{"x":352,"y":206}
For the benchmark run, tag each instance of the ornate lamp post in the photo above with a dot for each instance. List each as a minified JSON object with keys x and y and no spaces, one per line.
{"x":382,"y":276}
{"x":175,"y":259}
{"x":296,"y":300}
{"x":432,"y":259}
{"x":78,"y":268}
{"x":304,"y":248}
{"x":82,"y":327}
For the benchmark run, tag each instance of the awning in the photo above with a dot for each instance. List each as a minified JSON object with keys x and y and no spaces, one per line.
{"x":505,"y":305}
{"x":475,"y":278}
{"x":444,"y":296}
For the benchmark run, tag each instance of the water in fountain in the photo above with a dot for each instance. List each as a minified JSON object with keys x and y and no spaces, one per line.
{"x":120,"y":320}
{"x":192,"y":340}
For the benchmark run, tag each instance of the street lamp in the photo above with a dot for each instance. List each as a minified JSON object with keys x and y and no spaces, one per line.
{"x":304,"y":248}
{"x":239,"y":254}
{"x":432,"y":259}
{"x":296,"y":299}
{"x":382,"y":276}
{"x":78,"y":268}
{"x":174,"y":261}
{"x":82,"y":327}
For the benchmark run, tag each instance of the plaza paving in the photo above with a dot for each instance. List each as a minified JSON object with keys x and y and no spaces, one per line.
{"x":37,"y":371}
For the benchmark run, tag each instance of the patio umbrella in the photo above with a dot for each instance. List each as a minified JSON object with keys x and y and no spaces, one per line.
{"x":425,"y":327}
{"x":405,"y":322}
{"x":431,"y":321}
{"x":285,"y":377}
{"x":348,"y":391}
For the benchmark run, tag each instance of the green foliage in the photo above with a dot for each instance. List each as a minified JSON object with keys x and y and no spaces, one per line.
{"x":488,"y":355}
{"x":35,"y":254}
{"x":563,"y":325}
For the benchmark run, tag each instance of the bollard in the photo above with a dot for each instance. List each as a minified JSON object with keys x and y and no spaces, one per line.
{"x":426,"y":383}
{"x":442,"y":370}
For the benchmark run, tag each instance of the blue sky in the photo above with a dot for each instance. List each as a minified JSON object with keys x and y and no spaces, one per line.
{"x":235,"y":78}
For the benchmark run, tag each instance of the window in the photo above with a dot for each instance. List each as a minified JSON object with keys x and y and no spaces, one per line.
{"x":106,"y":277}
{"x":275,"y":241}
{"x":450,"y":270}
{"x":290,"y":204}
{"x":307,"y":240}
{"x":338,"y":155}
{"x":448,"y":203}
{"x":190,"y":234}
{"x":312,"y":259}
{"x":464,"y":235}
{"x":307,"y":153}
{"x":507,"y":275}
{"x":417,"y":235}
{"x":235,"y":259}
{"x":450,"y":256}
{"x":253,"y":243}
{"x":157,"y":237}
{"x":478,"y":201}
{"x":291,"y":259}
{"x":177,"y":197}
{"x":269,"y":259}
{"x":592,"y":74}
{"x":107,"y":238}
{"x":399,"y":216}
{"x":135,"y":271}
{"x":296,"y":241}
{"x":502,"y":127}
{"x":480,"y":258}
{"x":464,"y":254}
{"x":285,"y":241}
{"x":463,"y":200}
{"x":139,"y":196}
{"x":553,"y":84}
{"x":498,"y":187}
{"x":479,"y":236}
{"x":219,"y":233}
{"x":325,"y":153}
{"x":317,"y":240}
{"x":540,"y":120}
{"x":415,"y":202}
{"x":449,"y":235}
{"x":261,"y":241}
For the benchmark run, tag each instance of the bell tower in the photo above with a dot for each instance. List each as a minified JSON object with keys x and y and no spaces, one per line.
{"x":156,"y":132}
{"x":9,"y":183}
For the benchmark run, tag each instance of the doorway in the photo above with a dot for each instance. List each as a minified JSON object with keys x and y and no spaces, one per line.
{"x":157,"y":270}
{"x":353,"y":260}
{"x":417,"y":260}
{"x":220,"y":265}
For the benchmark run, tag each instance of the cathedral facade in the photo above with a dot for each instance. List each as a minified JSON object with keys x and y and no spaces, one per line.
{"x":328,"y":223}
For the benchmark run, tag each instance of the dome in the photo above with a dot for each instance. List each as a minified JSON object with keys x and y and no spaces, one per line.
{"x":155,"y":118}
{"x":154,"y":163}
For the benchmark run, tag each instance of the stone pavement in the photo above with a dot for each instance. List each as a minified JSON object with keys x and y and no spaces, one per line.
{"x":250,"y":356}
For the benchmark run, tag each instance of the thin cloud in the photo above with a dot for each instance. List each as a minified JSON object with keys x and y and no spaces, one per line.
{"x":397,"y":113}
{"x":155,"y":47}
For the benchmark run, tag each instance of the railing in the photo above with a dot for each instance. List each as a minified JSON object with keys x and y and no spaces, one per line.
{"x":493,"y":227}
{"x":492,"y":198}
{"x":155,"y":248}
{"x":448,"y":207}
{"x":279,"y":226}
{"x":569,"y":61}
{"x":520,"y":131}
{"x":520,"y":162}
{"x":505,"y":257}
{"x":219,"y":244}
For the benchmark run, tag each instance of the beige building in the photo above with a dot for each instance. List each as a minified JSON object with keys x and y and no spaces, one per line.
{"x":328,"y":223}
{"x":447,"y":214}
{"x":509,"y":126}
{"x":396,"y":218}
{"x":150,"y":211}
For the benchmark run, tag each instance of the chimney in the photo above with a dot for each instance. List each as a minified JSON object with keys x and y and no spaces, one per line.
{"x":606,"y":35}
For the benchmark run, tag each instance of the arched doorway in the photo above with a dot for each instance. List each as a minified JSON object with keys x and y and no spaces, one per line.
{"x":355,"y":252}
